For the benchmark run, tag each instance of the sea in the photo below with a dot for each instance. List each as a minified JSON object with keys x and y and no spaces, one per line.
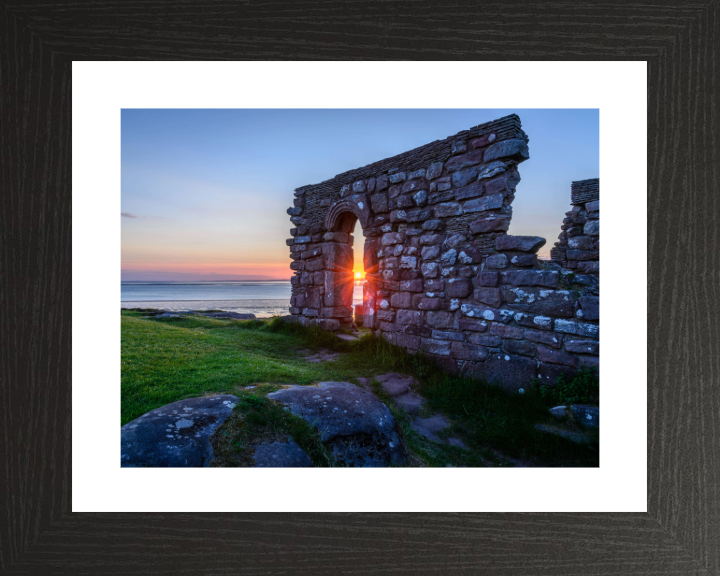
{"x":264,"y":299}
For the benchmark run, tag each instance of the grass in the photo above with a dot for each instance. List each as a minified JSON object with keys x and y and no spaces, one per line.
{"x":168,"y":359}
{"x":257,"y":420}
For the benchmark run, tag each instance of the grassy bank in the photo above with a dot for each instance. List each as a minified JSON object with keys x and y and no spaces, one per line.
{"x":164,"y":360}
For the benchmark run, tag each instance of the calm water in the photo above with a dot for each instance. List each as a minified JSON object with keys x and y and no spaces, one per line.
{"x":260,"y":298}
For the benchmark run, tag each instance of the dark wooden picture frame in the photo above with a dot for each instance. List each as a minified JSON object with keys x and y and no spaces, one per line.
{"x":680,"y":533}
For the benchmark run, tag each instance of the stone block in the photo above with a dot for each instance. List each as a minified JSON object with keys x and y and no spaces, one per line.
{"x":519,"y":243}
{"x":432,"y":346}
{"x":462,"y":351}
{"x":432,"y":225}
{"x":487,"y":279}
{"x":577,"y":328}
{"x":516,"y":149}
{"x":414,"y":317}
{"x":338,"y":288}
{"x":379,"y":202}
{"x":311,"y":312}
{"x":397,"y":177}
{"x":581,"y":243}
{"x":551,"y":339}
{"x":498,"y":185}
{"x":488,"y":295}
{"x":337,"y":256}
{"x":472,"y":191}
{"x":420,"y":198}
{"x":426,"y":303}
{"x":438,"y":319}
{"x":524,"y":260}
{"x":464,"y":177}
{"x":407,"y":341}
{"x":590,"y":306}
{"x":470,"y":325}
{"x":449,"y":258}
{"x":592,"y":228}
{"x":392,"y":238}
{"x":557,"y":357}
{"x":465,"y":160}
{"x":522,"y":347}
{"x":434,"y":170}
{"x":546,"y":278}
{"x":442,"y":196}
{"x":430,"y":252}
{"x":447,"y":209}
{"x":485,"y":340}
{"x":386,"y":315}
{"x":458,"y":287}
{"x":491,"y":202}
{"x":538,"y":322}
{"x":429,"y":269}
{"x":394,"y":192}
{"x":504,"y":331}
{"x":485,"y":225}
{"x":401,"y":300}
{"x":583,"y":254}
{"x":459,"y":147}
{"x":359,"y":186}
{"x":409,"y":262}
{"x":414,"y":185}
{"x":434,"y":285}
{"x":415,"y":285}
{"x":336,"y":237}
{"x":497,"y":261}
{"x":491,"y":169}
{"x":445,"y":335}
{"x":382,"y":183}
{"x":329,"y":324}
{"x":483,"y":141}
{"x":431,"y":239}
{"x":588,"y":268}
{"x":583,"y":347}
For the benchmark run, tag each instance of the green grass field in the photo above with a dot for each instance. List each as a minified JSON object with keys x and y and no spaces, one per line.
{"x":165,"y":360}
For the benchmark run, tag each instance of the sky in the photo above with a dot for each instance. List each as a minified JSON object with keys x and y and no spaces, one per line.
{"x":205,"y":192}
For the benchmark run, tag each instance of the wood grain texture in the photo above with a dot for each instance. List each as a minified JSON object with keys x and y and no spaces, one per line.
{"x":681,"y":532}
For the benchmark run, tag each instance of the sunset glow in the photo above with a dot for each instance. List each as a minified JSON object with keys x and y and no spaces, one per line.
{"x":359,"y":275}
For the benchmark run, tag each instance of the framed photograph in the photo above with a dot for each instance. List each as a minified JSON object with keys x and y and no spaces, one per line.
{"x":646,"y":505}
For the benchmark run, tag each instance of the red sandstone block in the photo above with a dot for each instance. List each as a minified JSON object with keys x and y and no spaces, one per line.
{"x":506,"y":331}
{"x":557,"y":357}
{"x":463,"y":351}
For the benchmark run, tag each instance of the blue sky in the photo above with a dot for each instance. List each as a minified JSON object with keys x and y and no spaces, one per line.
{"x":205,"y":191}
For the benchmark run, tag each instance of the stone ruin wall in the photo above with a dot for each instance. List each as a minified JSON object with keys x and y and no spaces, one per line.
{"x":443,"y":277}
{"x":578,"y":246}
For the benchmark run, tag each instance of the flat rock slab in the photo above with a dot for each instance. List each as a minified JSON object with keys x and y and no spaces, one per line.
{"x":176,"y":435}
{"x":281,"y":455}
{"x":428,"y":427}
{"x":358,"y":428}
{"x":586,"y":415}
{"x":233,"y":315}
{"x":401,"y":388}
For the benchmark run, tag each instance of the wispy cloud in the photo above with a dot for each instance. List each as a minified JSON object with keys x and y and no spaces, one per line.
{"x":127,"y":215}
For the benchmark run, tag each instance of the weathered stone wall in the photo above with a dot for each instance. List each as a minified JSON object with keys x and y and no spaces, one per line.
{"x":578,"y":246}
{"x":443,"y":277}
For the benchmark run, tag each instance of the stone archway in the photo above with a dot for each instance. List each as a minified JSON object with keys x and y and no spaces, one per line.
{"x":443,"y":277}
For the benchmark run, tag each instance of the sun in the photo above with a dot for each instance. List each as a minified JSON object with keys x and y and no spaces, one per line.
{"x":358,"y":275}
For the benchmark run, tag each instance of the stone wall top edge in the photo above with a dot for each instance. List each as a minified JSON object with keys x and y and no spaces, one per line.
{"x":506,"y":128}
{"x":583,"y":191}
